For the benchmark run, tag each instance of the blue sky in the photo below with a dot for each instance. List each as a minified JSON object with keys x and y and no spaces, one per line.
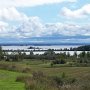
{"x":23,"y":20}
{"x":51,"y":13}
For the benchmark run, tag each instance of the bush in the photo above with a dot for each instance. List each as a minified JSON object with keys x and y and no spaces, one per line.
{"x":39,"y":81}
{"x":52,"y":64}
{"x":57,"y":80}
{"x":26,"y":70}
{"x":30,"y":85}
{"x":38,"y":75}
{"x":62,"y":61}
{"x":22,"y":78}
{"x":63,"y":75}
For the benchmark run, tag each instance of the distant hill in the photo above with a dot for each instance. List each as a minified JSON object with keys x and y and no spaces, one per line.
{"x":82,"y":48}
{"x":41,"y":44}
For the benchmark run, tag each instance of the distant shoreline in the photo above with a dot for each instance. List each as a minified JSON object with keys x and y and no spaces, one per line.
{"x":43,"y":44}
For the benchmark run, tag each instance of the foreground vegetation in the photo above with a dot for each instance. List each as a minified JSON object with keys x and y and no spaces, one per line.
{"x":49,"y":71}
{"x":8,"y":81}
{"x":39,"y":75}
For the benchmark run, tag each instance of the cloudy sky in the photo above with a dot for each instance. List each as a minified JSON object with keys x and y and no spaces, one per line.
{"x":55,"y":21}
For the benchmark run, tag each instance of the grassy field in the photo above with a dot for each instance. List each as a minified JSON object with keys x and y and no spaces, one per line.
{"x":8,"y":77}
{"x":8,"y":81}
{"x":45,"y":67}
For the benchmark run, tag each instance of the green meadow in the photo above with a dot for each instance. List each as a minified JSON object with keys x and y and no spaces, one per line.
{"x":9,"y":71}
{"x":8,"y":80}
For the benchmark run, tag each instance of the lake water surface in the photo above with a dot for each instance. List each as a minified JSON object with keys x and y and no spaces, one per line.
{"x":42,"y":47}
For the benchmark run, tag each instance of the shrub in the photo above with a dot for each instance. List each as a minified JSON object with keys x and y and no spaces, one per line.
{"x":62,"y":61}
{"x":22,"y":78}
{"x":26,"y":70}
{"x":63,"y":75}
{"x":38,"y":75}
{"x":39,"y":81}
{"x":57,"y":80}
{"x":30,"y":85}
{"x":52,"y":64}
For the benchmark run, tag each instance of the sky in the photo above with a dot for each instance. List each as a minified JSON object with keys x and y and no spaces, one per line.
{"x":45,"y":21}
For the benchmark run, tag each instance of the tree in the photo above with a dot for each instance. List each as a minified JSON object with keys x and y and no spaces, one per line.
{"x":19,"y":55}
{"x":75,"y":54}
{"x":83,"y":57}
{"x":68,"y":54}
{"x":82,"y":54}
{"x":31,"y":53}
{"x":62,"y":61}
{"x":52,"y":64}
{"x":1,"y":53}
{"x":49,"y":54}
{"x":88,"y":56}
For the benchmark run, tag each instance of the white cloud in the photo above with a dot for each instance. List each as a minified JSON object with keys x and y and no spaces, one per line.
{"x":79,"y":13}
{"x":29,"y":3}
{"x":11,"y":14}
{"x":3,"y":26}
{"x":3,"y":23}
{"x":67,"y":29}
{"x":34,"y":27}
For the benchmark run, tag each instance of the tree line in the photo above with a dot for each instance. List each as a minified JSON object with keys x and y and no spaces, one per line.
{"x":57,"y":58}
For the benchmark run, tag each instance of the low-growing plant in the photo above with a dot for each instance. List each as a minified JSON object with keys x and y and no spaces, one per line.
{"x":26,"y":70}
{"x":22,"y":78}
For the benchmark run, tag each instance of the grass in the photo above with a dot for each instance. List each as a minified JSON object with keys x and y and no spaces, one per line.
{"x":47,"y":69}
{"x":8,"y":77}
{"x":8,"y":81}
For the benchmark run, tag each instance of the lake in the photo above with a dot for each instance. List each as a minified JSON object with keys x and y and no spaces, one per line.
{"x":43,"y":47}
